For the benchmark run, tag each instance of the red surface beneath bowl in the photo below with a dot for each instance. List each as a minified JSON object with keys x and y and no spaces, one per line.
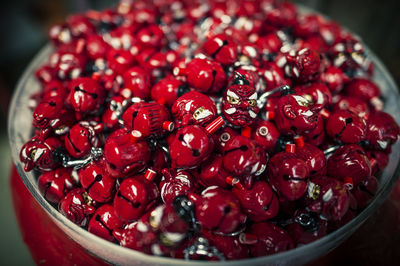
{"x":376,"y":242}
{"x":48,"y":244}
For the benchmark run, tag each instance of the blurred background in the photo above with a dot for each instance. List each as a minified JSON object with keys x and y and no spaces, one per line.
{"x":23,"y":28}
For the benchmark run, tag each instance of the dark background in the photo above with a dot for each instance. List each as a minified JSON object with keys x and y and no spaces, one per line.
{"x":23,"y":31}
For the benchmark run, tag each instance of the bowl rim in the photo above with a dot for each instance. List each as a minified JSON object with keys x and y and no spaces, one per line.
{"x":351,"y":226}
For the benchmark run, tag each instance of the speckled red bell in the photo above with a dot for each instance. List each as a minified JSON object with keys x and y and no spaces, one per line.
{"x":121,"y":37}
{"x":80,"y":25}
{"x":280,"y":13}
{"x":81,"y":138}
{"x":315,"y":42}
{"x":273,"y":76}
{"x":77,"y":206}
{"x":346,"y":127}
{"x":308,"y":25}
{"x":212,"y":172}
{"x":54,"y":88}
{"x":124,"y":155}
{"x":176,"y":183}
{"x":193,"y":108}
{"x":120,"y":60}
{"x":97,"y":183}
{"x":330,"y":31}
{"x":382,"y":130}
{"x":86,"y":95}
{"x":96,"y":47}
{"x":259,"y":202}
{"x":288,"y":174}
{"x":39,"y":153}
{"x":352,"y":104}
{"x":109,"y":80}
{"x":218,"y":210}
{"x":314,"y":158}
{"x":328,"y":197}
{"x":190,"y":147}
{"x":205,"y":75}
{"x":295,"y":115}
{"x":364,"y":89}
{"x":193,"y":144}
{"x":51,"y":116}
{"x":271,"y":239}
{"x":150,"y":36}
{"x":316,"y":136}
{"x":168,"y":90}
{"x":244,"y":157}
{"x":229,"y":246}
{"x":135,"y":196}
{"x":104,"y":221}
{"x":137,"y":236}
{"x":348,"y":54}
{"x":315,"y":93}
{"x":153,"y":62}
{"x":222,"y":49}
{"x":184,"y":31}
{"x":334,"y":78}
{"x":136,"y":83}
{"x":54,"y":185}
{"x":249,"y":52}
{"x":304,"y":65}
{"x":68,"y":65}
{"x":269,"y":43}
{"x":150,"y":119}
{"x":349,"y":161}
{"x":46,"y":112}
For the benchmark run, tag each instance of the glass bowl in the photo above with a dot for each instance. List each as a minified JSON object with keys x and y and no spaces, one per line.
{"x":20,"y":130}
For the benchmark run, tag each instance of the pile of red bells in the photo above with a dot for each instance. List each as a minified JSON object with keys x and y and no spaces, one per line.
{"x":233,"y":129}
